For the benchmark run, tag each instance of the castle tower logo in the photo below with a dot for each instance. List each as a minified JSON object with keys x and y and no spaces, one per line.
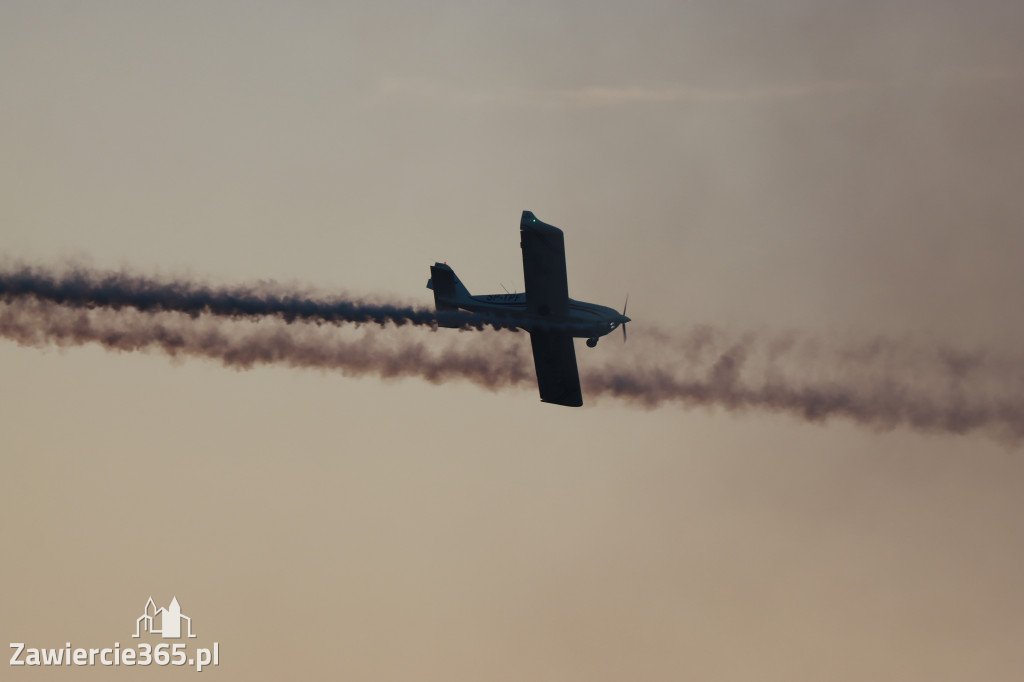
{"x":169,"y":620}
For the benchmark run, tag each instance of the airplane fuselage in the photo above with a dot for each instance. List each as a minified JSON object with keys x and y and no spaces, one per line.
{"x":586,"y":320}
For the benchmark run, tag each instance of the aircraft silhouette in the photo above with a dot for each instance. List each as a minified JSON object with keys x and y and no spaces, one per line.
{"x":544,"y":310}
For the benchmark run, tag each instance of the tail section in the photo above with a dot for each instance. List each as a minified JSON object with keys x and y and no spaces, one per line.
{"x":448,"y":289}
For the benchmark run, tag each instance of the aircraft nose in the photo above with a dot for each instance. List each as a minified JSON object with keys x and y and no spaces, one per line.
{"x":624,"y":319}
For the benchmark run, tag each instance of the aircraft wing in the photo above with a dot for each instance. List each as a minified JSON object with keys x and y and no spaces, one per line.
{"x":557,"y":376}
{"x":547,"y":286}
{"x":547,"y":296}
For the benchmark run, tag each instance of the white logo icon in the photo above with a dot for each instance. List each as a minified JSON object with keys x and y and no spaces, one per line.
{"x":169,"y":619}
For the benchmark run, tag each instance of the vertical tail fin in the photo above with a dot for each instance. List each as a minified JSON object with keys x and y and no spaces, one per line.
{"x":448,"y":290}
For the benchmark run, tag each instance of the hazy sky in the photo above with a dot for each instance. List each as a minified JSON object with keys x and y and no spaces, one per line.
{"x":829,"y":169}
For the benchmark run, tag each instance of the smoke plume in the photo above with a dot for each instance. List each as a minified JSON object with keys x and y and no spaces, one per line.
{"x":80,"y":288}
{"x":880,"y":383}
{"x":382,"y":352}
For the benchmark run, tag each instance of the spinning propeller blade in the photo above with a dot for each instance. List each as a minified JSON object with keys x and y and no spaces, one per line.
{"x":624,"y":306}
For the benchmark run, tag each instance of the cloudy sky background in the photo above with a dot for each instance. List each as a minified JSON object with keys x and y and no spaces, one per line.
{"x":833,"y":169}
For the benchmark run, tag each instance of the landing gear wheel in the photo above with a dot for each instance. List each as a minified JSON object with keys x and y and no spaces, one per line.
{"x":592,"y":342}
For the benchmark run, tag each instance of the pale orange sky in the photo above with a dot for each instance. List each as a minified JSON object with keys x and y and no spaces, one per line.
{"x":833,"y":168}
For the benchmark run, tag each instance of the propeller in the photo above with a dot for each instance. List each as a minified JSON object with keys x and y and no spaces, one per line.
{"x":624,"y":306}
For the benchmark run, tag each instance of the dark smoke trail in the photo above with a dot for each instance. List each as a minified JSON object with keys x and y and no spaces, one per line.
{"x":83,"y":288}
{"x":35,"y":323}
{"x":880,"y":384}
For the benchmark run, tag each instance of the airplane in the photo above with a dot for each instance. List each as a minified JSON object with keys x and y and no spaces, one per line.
{"x":544,"y":310}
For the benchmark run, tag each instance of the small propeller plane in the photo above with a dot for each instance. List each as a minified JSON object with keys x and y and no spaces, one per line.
{"x":544,"y":310}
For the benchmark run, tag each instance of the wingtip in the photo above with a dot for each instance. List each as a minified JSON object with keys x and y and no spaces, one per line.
{"x":569,"y":402}
{"x":532,"y":223}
